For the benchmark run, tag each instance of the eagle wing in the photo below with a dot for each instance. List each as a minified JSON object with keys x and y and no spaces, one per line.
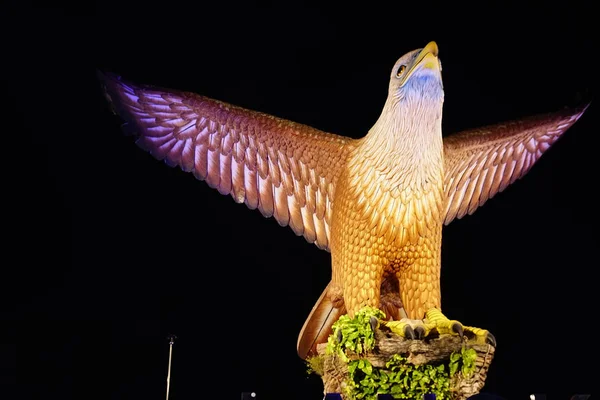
{"x":479,"y":163}
{"x":284,"y":169}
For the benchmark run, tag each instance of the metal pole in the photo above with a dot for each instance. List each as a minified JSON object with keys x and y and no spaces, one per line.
{"x":171,"y":341}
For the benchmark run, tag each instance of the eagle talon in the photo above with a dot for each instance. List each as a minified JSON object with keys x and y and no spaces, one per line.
{"x":408,"y":329}
{"x":481,"y":336}
{"x":458,"y":329}
{"x":374,"y":323}
{"x":409,"y":332}
{"x":419,"y":333}
{"x":338,"y":336}
{"x":435,"y":321}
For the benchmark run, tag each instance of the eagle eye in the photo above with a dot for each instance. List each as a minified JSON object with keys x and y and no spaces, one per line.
{"x":400,"y":70}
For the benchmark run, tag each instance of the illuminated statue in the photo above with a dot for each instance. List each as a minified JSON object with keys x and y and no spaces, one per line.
{"x":377,"y":203}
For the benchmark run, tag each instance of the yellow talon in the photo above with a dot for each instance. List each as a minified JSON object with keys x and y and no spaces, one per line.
{"x":407,"y":328}
{"x":481,"y":336}
{"x":433,"y":315}
{"x":435,"y":320}
{"x":438,"y":321}
{"x":397,"y":327}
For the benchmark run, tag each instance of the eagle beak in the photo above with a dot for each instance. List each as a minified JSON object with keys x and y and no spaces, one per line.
{"x":426,"y":59}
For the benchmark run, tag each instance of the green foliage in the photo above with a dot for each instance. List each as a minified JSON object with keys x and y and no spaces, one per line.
{"x":465,"y":361}
{"x":399,"y":378}
{"x":315,"y":365}
{"x":403,"y":380}
{"x":356,"y":334}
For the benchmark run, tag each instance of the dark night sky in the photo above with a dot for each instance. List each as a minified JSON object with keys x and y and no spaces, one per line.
{"x":111,"y":250}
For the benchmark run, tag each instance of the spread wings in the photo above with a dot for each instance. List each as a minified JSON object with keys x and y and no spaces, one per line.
{"x":286,"y":170}
{"x":481,"y":162}
{"x":289,"y":170}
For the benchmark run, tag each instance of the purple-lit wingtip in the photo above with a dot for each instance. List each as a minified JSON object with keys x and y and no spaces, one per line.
{"x":112,"y":85}
{"x":111,"y":79}
{"x":104,"y":76}
{"x":582,"y":101}
{"x":579,"y":110}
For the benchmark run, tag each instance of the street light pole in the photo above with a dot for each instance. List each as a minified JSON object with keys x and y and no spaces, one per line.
{"x":171,"y":341}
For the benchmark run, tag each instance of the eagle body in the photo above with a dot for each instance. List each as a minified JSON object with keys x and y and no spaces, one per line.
{"x":387,"y":217}
{"x":378,"y":203}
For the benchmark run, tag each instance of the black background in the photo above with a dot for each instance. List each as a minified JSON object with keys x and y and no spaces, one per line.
{"x":109,"y":250}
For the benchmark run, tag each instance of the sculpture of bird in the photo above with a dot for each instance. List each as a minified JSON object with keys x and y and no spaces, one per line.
{"x":377,"y":203}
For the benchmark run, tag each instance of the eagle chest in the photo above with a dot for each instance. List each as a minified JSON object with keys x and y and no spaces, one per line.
{"x":387,"y":216}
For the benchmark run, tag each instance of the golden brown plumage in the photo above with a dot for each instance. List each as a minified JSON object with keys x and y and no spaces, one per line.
{"x":286,"y":170}
{"x":378,"y":204}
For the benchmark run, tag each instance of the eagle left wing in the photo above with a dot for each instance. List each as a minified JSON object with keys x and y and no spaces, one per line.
{"x":479,"y":163}
{"x":284,"y":169}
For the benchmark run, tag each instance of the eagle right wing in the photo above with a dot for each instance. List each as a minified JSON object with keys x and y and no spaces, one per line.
{"x":285,"y":169}
{"x":479,"y":163}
